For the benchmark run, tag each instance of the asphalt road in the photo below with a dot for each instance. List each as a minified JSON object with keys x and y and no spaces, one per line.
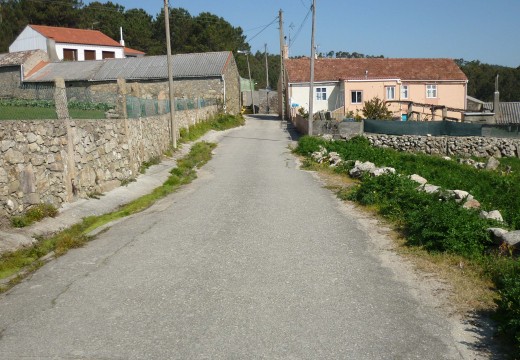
{"x":255,"y":259}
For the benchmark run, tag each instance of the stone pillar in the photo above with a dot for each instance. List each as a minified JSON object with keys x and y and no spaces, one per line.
{"x":444,"y":113}
{"x":60,"y":99}
{"x":62,"y":111}
{"x":121,"y":98}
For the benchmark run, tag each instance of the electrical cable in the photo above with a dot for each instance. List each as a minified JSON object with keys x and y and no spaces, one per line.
{"x":300,"y":28}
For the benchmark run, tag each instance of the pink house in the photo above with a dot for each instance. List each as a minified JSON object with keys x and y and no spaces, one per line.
{"x":424,"y":86}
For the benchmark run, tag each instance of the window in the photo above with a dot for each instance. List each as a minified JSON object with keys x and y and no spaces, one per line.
{"x":431,"y":91}
{"x":70,"y":54}
{"x":390,"y":92}
{"x":90,"y":54}
{"x":321,"y":93}
{"x":404,"y":91}
{"x":108,"y":55}
{"x":356,"y":97}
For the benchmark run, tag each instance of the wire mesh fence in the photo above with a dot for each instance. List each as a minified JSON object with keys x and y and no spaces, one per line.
{"x":141,"y":107}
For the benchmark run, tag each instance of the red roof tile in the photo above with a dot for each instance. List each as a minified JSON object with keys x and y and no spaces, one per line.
{"x":75,"y":36}
{"x":133,"y":51}
{"x":298,"y":70}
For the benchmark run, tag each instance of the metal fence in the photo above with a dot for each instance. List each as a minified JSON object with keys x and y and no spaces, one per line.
{"x":439,"y":128}
{"x":140,"y":107}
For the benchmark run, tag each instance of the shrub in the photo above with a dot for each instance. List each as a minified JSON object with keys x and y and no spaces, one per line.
{"x":508,"y":313}
{"x":309,"y":144}
{"x":34,"y":214}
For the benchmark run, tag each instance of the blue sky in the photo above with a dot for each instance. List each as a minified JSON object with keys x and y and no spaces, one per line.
{"x":485,"y":30}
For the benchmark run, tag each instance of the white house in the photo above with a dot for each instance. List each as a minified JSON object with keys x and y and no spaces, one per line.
{"x":68,"y":44}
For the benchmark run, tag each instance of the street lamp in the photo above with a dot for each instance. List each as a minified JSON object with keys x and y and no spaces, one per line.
{"x":250,"y":81}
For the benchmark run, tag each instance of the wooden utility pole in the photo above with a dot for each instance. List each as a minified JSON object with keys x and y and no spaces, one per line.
{"x":311,"y":83}
{"x":282,"y":78}
{"x":266,"y":68}
{"x":173,"y":125}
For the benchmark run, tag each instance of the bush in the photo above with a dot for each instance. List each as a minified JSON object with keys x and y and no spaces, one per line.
{"x":508,"y":313}
{"x":34,"y":214}
{"x":309,"y":144}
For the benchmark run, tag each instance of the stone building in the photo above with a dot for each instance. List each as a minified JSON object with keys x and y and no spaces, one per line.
{"x":212,"y":75}
{"x":14,"y":67}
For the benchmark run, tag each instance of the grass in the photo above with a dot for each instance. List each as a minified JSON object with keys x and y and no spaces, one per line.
{"x":219,"y":122}
{"x":439,"y":234}
{"x":77,"y":235}
{"x":34,"y":214}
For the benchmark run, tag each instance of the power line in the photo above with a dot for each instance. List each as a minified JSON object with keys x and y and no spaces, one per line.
{"x":300,"y":28}
{"x":258,"y":33}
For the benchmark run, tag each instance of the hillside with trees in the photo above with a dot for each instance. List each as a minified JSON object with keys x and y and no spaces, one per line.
{"x":481,"y":78}
{"x":201,"y":33}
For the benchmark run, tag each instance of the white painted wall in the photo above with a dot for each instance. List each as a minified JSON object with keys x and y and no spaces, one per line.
{"x":299,"y":94}
{"x":119,"y":51}
{"x":29,"y":39}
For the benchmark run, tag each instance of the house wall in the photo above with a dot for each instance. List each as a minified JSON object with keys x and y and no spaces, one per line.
{"x":58,"y":161}
{"x":29,"y":39}
{"x":119,"y":51}
{"x":448,"y":94}
{"x":299,"y":94}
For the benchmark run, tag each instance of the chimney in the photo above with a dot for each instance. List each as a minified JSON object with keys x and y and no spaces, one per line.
{"x":122,"y":42}
{"x":286,"y":51}
{"x":496,"y":100}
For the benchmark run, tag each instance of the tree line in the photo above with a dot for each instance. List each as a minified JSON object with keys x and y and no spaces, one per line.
{"x":201,"y":33}
{"x":481,"y":80}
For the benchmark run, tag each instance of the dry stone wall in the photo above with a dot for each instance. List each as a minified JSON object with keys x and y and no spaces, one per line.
{"x":450,"y":146}
{"x":57,"y":161}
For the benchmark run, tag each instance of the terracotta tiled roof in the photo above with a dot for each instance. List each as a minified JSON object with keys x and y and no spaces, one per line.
{"x":75,"y":36}
{"x":133,"y":51}
{"x":298,"y":70}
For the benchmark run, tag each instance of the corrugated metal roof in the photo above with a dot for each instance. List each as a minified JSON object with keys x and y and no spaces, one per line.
{"x":16,"y":58}
{"x":509,"y":112}
{"x":148,"y":67}
{"x":68,"y":70}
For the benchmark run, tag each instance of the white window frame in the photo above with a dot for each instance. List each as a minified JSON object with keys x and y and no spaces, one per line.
{"x":390,"y":92}
{"x":361,"y":96}
{"x":321,"y":93}
{"x":431,"y":91}
{"x":405,"y":92}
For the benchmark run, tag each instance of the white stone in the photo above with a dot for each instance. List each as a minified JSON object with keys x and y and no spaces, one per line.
{"x":418,"y":179}
{"x":492,"y":215}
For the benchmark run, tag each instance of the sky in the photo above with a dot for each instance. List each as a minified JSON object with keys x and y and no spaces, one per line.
{"x":484,"y":30}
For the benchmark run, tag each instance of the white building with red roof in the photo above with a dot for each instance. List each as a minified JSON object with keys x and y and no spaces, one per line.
{"x":70,"y":44}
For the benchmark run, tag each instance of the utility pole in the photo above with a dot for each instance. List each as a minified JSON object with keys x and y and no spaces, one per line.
{"x":173,"y":125}
{"x":282,"y":78}
{"x":311,"y":83}
{"x":266,"y":68}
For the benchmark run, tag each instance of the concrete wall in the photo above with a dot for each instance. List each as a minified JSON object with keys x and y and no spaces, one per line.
{"x":57,"y":161}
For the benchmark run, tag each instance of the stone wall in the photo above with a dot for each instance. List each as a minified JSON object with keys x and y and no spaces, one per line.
{"x":232,"y":87}
{"x":448,"y":145}
{"x":10,"y":80}
{"x":57,"y":161}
